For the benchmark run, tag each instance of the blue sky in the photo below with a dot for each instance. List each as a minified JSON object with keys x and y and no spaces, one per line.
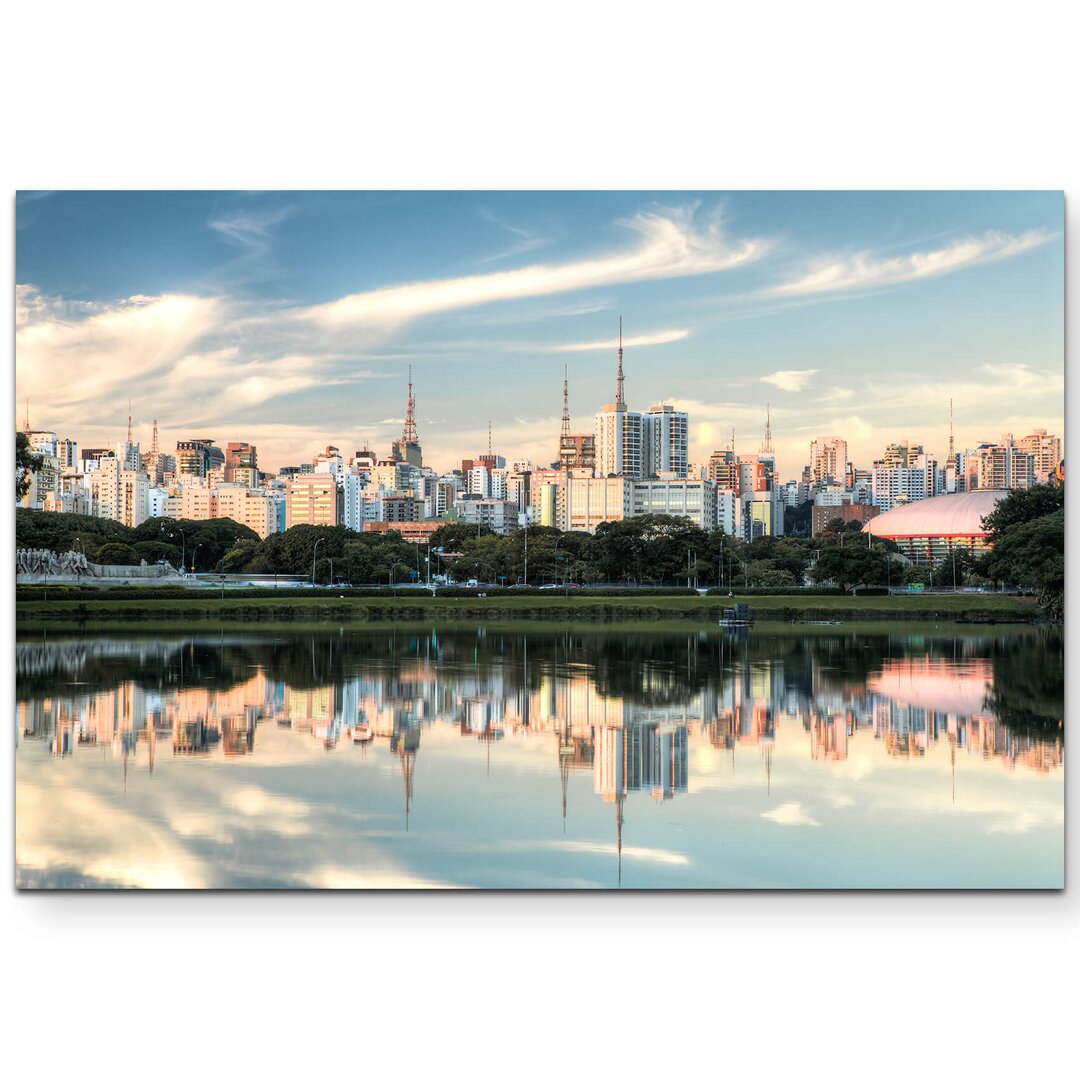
{"x":290,"y":319}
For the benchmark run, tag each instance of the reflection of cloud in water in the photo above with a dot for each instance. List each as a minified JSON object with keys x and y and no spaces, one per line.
{"x":337,"y":877}
{"x":791,"y":813}
{"x":653,"y":855}
{"x":59,"y":828}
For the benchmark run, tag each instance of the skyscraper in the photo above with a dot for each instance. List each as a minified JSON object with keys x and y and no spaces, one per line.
{"x":619,"y":433}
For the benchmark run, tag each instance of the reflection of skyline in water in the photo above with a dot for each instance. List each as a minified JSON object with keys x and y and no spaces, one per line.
{"x":504,"y":758}
{"x":633,"y":726}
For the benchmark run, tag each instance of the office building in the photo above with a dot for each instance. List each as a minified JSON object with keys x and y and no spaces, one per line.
{"x":312,"y":499}
{"x":241,"y":464}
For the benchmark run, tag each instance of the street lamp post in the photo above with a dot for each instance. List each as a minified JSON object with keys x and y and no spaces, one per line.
{"x":313,"y":550}
{"x":195,"y":551}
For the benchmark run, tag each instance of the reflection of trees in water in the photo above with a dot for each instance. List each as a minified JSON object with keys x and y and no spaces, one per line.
{"x":101,"y":664}
{"x":650,"y":669}
{"x":1028,"y":691}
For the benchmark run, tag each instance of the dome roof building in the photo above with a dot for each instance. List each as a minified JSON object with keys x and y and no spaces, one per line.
{"x":928,"y":530}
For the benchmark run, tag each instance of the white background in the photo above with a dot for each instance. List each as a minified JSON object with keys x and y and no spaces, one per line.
{"x":672,"y":95}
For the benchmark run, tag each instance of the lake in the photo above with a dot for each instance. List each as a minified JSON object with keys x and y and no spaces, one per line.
{"x":870,"y":756}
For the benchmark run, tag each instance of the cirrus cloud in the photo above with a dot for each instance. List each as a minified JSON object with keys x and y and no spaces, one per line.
{"x":672,"y":243}
{"x":865,"y":270}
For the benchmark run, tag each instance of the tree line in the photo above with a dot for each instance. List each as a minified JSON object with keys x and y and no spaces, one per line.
{"x":1026,"y":530}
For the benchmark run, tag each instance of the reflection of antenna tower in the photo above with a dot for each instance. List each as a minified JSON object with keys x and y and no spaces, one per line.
{"x":408,"y":759}
{"x":767,"y":752}
{"x":564,"y":777}
{"x":619,"y":800}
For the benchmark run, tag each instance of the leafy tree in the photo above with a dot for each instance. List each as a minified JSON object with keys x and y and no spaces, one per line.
{"x":66,"y":532}
{"x":1021,"y":554}
{"x":26,"y":462}
{"x":116,"y":555}
{"x":1021,"y":506}
{"x":851,"y":565}
{"x":155,"y":551}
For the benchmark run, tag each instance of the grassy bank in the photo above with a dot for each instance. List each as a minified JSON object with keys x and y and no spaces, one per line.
{"x":988,"y":608}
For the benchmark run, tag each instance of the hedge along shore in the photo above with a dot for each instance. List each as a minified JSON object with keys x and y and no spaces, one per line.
{"x":237,"y":608}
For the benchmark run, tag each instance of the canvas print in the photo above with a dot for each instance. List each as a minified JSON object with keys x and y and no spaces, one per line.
{"x":539,"y":540}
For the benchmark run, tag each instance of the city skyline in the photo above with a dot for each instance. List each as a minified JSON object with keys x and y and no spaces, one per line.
{"x":290,"y":320}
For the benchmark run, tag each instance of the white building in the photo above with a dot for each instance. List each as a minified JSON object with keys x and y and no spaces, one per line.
{"x":619,"y":435}
{"x":665,"y":442}
{"x":691,"y":499}
{"x":728,"y":511}
{"x":895,"y":484}
{"x":497,"y":514}
{"x":362,"y":502}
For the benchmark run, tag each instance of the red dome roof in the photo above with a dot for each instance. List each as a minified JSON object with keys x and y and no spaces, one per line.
{"x":943,"y":515}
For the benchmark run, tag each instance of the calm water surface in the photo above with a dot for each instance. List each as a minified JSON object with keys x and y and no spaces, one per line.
{"x":798,"y":757}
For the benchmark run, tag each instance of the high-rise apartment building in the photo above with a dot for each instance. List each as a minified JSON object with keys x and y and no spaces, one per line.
{"x":723,"y":469}
{"x":1003,"y":466}
{"x":901,"y":455}
{"x":828,"y":459}
{"x":1045,"y":451}
{"x":895,"y":484}
{"x":665,"y":442}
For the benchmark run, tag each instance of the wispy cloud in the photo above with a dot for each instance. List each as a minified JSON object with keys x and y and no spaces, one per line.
{"x":250,"y":229}
{"x":866,"y":270}
{"x":790,"y":380}
{"x":672,"y":243}
{"x":525,"y":240}
{"x":661,"y":337}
